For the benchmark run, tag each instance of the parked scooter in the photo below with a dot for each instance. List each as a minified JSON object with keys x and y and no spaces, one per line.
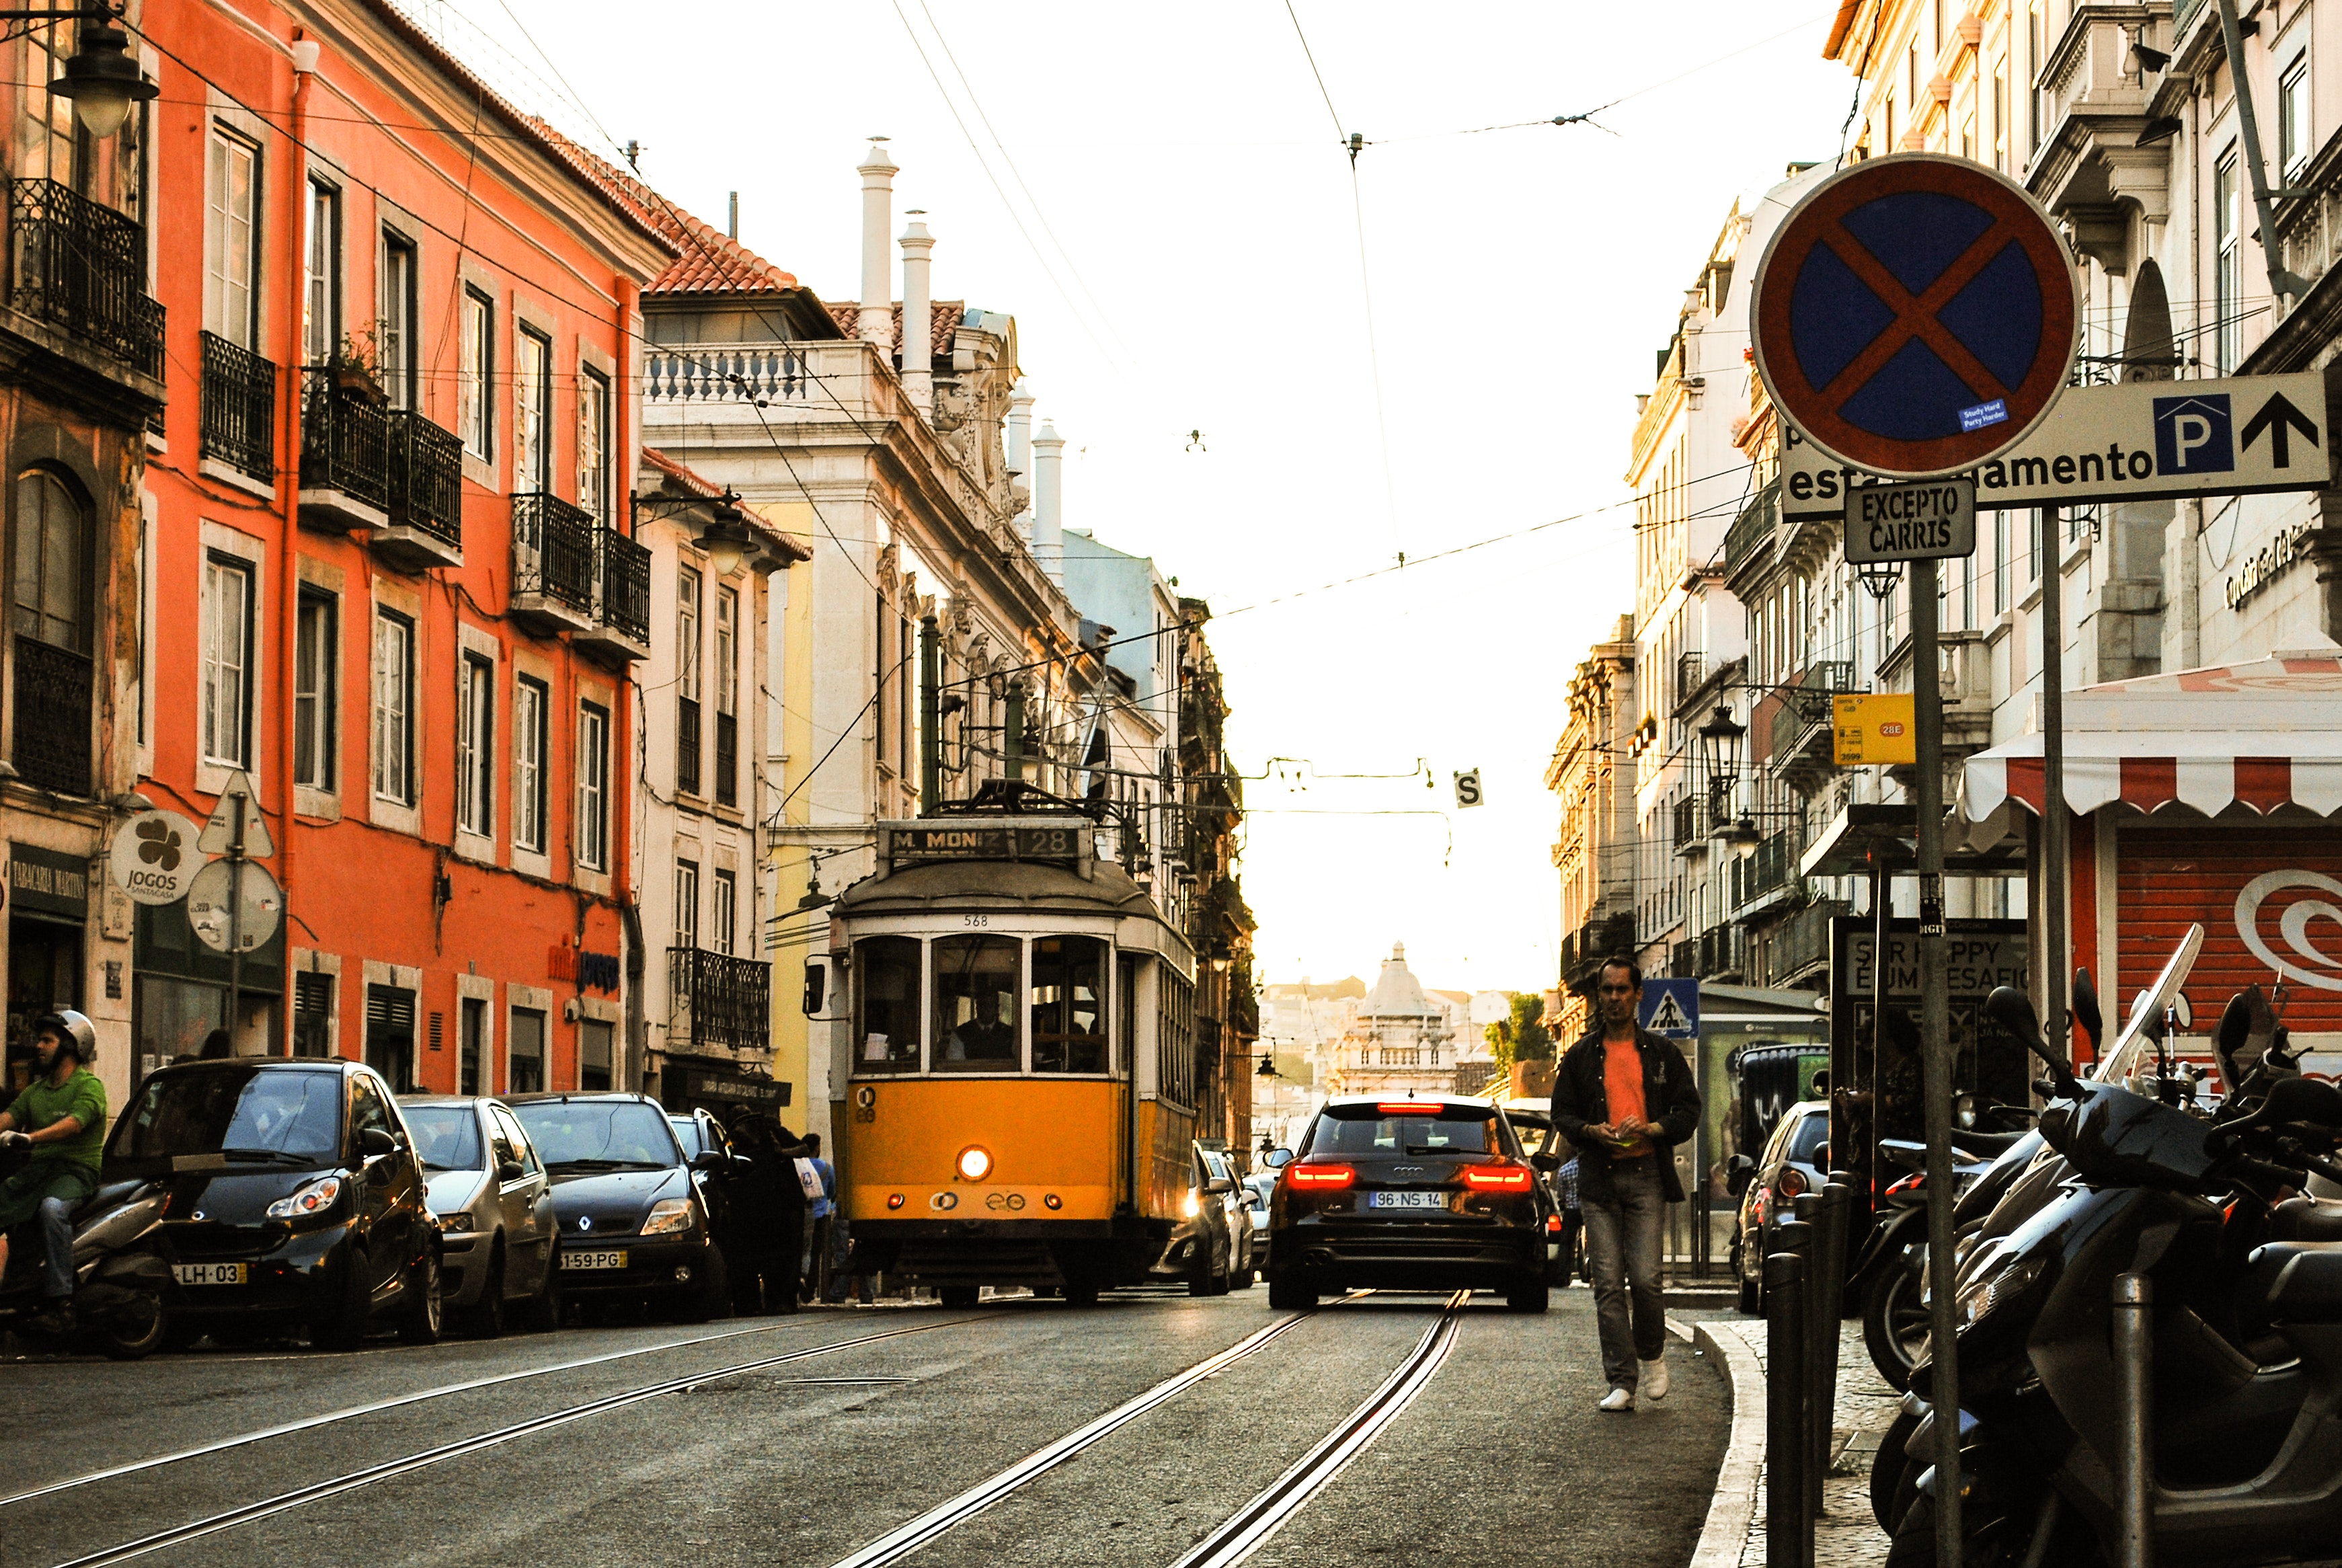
{"x":2247,"y":1441}
{"x":121,"y":1281}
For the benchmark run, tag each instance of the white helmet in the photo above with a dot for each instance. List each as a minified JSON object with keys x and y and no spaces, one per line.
{"x":76,"y":1029}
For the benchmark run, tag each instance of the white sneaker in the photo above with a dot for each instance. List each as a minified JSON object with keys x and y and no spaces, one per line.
{"x":1651,"y":1376}
{"x":1619,"y":1399}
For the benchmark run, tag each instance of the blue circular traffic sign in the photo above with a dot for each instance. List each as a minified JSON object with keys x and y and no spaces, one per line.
{"x":1916,"y":315}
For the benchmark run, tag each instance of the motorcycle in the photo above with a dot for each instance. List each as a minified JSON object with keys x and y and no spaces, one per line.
{"x":2247,"y":1392}
{"x":121,"y":1281}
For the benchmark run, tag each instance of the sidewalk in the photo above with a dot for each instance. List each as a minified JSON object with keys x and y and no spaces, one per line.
{"x":1845,"y":1536}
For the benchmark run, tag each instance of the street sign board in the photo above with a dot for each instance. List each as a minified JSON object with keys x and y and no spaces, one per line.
{"x":1874,"y":729}
{"x":1916,"y":315}
{"x":2138,"y":441}
{"x":154,"y":857}
{"x":219,"y":833}
{"x":1932,"y":520}
{"x":1671,"y":1007}
{"x":1467,"y":788}
{"x":208,"y":906}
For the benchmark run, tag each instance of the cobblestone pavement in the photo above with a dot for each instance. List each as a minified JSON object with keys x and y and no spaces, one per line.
{"x":1845,"y":1536}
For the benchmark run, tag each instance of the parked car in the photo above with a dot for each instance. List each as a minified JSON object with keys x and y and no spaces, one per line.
{"x":297,"y":1200}
{"x":633,"y":1223}
{"x":1794,"y":1160}
{"x":1204,"y":1248}
{"x":1243,"y":1263}
{"x":494,"y":1203}
{"x":761,"y":1231}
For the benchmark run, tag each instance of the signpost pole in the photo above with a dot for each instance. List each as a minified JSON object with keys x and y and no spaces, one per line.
{"x":1935,"y":1054}
{"x":2056,"y":861}
{"x":236,"y":919}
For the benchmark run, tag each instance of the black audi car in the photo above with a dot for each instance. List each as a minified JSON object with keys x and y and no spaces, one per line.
{"x":634,"y":1224}
{"x":1412,"y":1194}
{"x":296,"y":1199}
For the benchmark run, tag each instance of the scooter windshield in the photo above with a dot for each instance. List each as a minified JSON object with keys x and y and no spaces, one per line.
{"x":2113,"y":1136}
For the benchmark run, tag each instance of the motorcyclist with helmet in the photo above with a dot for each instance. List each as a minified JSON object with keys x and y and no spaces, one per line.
{"x":62,"y":1116}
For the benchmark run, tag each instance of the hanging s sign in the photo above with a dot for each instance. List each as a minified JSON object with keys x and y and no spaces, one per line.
{"x":1467,"y":788}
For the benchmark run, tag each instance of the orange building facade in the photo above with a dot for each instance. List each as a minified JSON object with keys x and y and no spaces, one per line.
{"x":372,"y":553}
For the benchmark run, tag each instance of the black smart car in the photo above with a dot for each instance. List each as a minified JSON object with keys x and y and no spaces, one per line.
{"x":1411,"y":1194}
{"x":296,"y":1199}
{"x":634,"y":1224}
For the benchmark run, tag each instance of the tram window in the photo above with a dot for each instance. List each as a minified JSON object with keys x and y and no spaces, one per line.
{"x":1068,"y":1004}
{"x":1126,"y":1002}
{"x":975,"y":1004}
{"x":886,"y":1004}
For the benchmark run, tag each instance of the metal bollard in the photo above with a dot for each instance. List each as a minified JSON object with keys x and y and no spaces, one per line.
{"x":1821,"y":1322}
{"x":2133,"y":1332}
{"x":1831,"y":1242}
{"x":1788,"y":1528}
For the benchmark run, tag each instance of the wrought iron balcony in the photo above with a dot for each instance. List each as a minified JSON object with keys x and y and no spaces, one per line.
{"x":54,"y":693}
{"x":75,"y":265}
{"x":1683,"y":959}
{"x":622,"y":604}
{"x":727,"y":759}
{"x":1800,"y":944}
{"x":553,"y":563}
{"x":716,"y":999}
{"x":1773,"y":868}
{"x":1753,"y":528}
{"x":687,"y":745}
{"x":345,"y":455}
{"x":239,"y":408}
{"x":1723,"y":953}
{"x":426,"y":495}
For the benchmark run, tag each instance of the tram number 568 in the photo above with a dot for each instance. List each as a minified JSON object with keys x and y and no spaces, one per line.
{"x":976,"y":919}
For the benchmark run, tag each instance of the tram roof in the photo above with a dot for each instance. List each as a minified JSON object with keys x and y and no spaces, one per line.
{"x":1001,"y":885}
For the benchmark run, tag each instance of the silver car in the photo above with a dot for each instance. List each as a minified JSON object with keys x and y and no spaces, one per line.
{"x":493,"y":1202}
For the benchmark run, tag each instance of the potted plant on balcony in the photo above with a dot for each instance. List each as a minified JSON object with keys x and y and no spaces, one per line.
{"x":356,"y":367}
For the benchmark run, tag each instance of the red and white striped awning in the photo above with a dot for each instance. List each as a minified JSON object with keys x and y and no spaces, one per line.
{"x":2267,"y":734}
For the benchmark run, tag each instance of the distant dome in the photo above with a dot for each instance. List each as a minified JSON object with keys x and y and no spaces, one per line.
{"x":1397,"y":993}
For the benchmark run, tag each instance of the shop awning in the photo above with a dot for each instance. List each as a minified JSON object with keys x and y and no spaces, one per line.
{"x":2267,"y":734}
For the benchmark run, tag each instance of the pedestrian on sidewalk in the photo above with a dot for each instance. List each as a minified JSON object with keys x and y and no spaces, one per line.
{"x":1623,"y":1096}
{"x":820,"y":1179}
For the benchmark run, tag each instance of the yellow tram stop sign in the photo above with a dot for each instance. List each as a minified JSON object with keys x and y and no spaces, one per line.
{"x":1874,"y":729}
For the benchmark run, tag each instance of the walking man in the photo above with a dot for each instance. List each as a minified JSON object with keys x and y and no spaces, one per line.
{"x":1623,"y":1096}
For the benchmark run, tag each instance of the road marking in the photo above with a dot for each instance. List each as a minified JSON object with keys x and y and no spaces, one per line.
{"x":309,"y":1423}
{"x":253,"y":1511}
{"x":1250,"y":1530}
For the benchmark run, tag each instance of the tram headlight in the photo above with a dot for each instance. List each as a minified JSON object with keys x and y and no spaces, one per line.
{"x":893,"y":1200}
{"x":1054,"y":1201}
{"x":973,"y":1163}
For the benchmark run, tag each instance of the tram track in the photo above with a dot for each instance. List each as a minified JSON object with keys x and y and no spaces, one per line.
{"x":350,"y":1481}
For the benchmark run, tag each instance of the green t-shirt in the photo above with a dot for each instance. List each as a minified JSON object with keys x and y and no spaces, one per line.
{"x":81,"y":1096}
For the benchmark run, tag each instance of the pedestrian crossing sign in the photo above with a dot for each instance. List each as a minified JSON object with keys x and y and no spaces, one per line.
{"x":1671,"y":1008}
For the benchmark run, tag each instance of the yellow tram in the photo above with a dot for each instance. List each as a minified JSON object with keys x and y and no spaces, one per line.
{"x":1021,"y":1077}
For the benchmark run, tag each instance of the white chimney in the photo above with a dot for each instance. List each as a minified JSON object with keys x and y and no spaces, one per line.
{"x":877,"y":320}
{"x":1048,"y":496}
{"x":918,"y":315}
{"x":1020,"y":433}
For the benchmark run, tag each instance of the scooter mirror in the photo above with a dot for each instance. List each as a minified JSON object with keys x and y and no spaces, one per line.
{"x":2012,"y":1011}
{"x":2302,"y":1100}
{"x":2181,"y":1011}
{"x":2085,"y":1008}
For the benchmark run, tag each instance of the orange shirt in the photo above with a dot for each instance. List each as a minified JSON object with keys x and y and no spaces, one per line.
{"x":1622,"y":1088}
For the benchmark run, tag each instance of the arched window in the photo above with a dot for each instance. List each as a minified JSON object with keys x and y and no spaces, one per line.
{"x":51,"y":725}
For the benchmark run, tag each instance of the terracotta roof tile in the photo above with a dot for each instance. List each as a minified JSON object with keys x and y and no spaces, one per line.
{"x":707,"y":261}
{"x":943,"y":315}
{"x":707,"y":489}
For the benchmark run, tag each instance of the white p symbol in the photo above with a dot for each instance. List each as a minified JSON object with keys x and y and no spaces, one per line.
{"x":2188,"y":432}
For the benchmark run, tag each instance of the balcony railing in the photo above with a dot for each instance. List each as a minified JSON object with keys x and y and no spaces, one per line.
{"x":716,"y":999}
{"x":623,"y":578}
{"x":239,"y":408}
{"x":1683,"y":959}
{"x":344,"y":440}
{"x":1723,"y":951}
{"x":54,"y":696}
{"x":426,"y":478}
{"x":727,"y":759}
{"x":1752,"y":528}
{"x":727,"y":373}
{"x":686,"y":744}
{"x":75,"y":265}
{"x":552,"y":550}
{"x":1801,"y":942}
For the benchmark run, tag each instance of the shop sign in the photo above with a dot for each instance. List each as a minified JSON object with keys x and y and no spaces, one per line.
{"x":724,"y":1087}
{"x":154,"y":857}
{"x":48,"y":880}
{"x":2266,"y":565}
{"x":2270,"y":904}
{"x":588,"y":971}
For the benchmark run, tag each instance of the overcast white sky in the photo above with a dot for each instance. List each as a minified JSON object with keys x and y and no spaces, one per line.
{"x":1204,"y":275}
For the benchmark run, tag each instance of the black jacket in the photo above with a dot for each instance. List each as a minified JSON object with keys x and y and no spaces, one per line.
{"x":1580,"y":1101}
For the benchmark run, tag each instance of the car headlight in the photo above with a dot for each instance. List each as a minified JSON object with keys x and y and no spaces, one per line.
{"x":667,"y":1216}
{"x":307,"y":1202}
{"x":458,"y":1221}
{"x":1191,"y":1205}
{"x":1978,"y":1297}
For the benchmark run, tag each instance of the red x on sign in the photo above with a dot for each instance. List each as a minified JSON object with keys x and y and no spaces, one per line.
{"x":1916,"y":315}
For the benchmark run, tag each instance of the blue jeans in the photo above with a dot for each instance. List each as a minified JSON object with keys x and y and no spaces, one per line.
{"x":1622,"y":1264}
{"x":48,"y":1191}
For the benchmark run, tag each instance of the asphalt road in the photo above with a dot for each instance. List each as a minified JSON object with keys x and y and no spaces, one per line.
{"x":755,"y":1452}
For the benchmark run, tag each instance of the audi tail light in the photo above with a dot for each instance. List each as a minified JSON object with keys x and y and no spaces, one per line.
{"x":1310,"y":1178}
{"x":1498,"y":1178}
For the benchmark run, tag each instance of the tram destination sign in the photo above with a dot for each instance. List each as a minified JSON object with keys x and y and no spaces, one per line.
{"x":917,"y":842}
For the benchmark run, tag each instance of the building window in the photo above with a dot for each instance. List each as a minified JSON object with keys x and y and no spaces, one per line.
{"x":686,"y":679}
{"x":471,"y":1044}
{"x":687,"y":903}
{"x":530,"y":708}
{"x":227,"y":661}
{"x":50,"y":142}
{"x":394,"y":707}
{"x":476,"y":748}
{"x":2039,"y":98}
{"x":2000,"y":118}
{"x":2033,"y":549}
{"x":724,"y":928}
{"x":313,"y":1014}
{"x":476,"y":416}
{"x":594,"y":444}
{"x":525,"y":1072}
{"x":727,"y":696}
{"x":52,"y":554}
{"x":594,"y":1043}
{"x":2293,"y":142}
{"x":592,"y":787}
{"x":533,"y":414}
{"x":2229,"y":266}
{"x":390,"y":1034}
{"x":395,"y":340}
{"x":321,"y":300}
{"x":231,"y":238}
{"x":315,"y":698}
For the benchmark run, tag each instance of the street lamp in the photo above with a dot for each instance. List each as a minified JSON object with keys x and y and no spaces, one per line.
{"x":1720,"y":745}
{"x":726,"y":540}
{"x":101,"y":78}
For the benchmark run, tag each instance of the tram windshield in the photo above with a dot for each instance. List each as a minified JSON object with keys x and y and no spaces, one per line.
{"x":886,"y":1004}
{"x":975,"y":1004}
{"x":1068,"y":1004}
